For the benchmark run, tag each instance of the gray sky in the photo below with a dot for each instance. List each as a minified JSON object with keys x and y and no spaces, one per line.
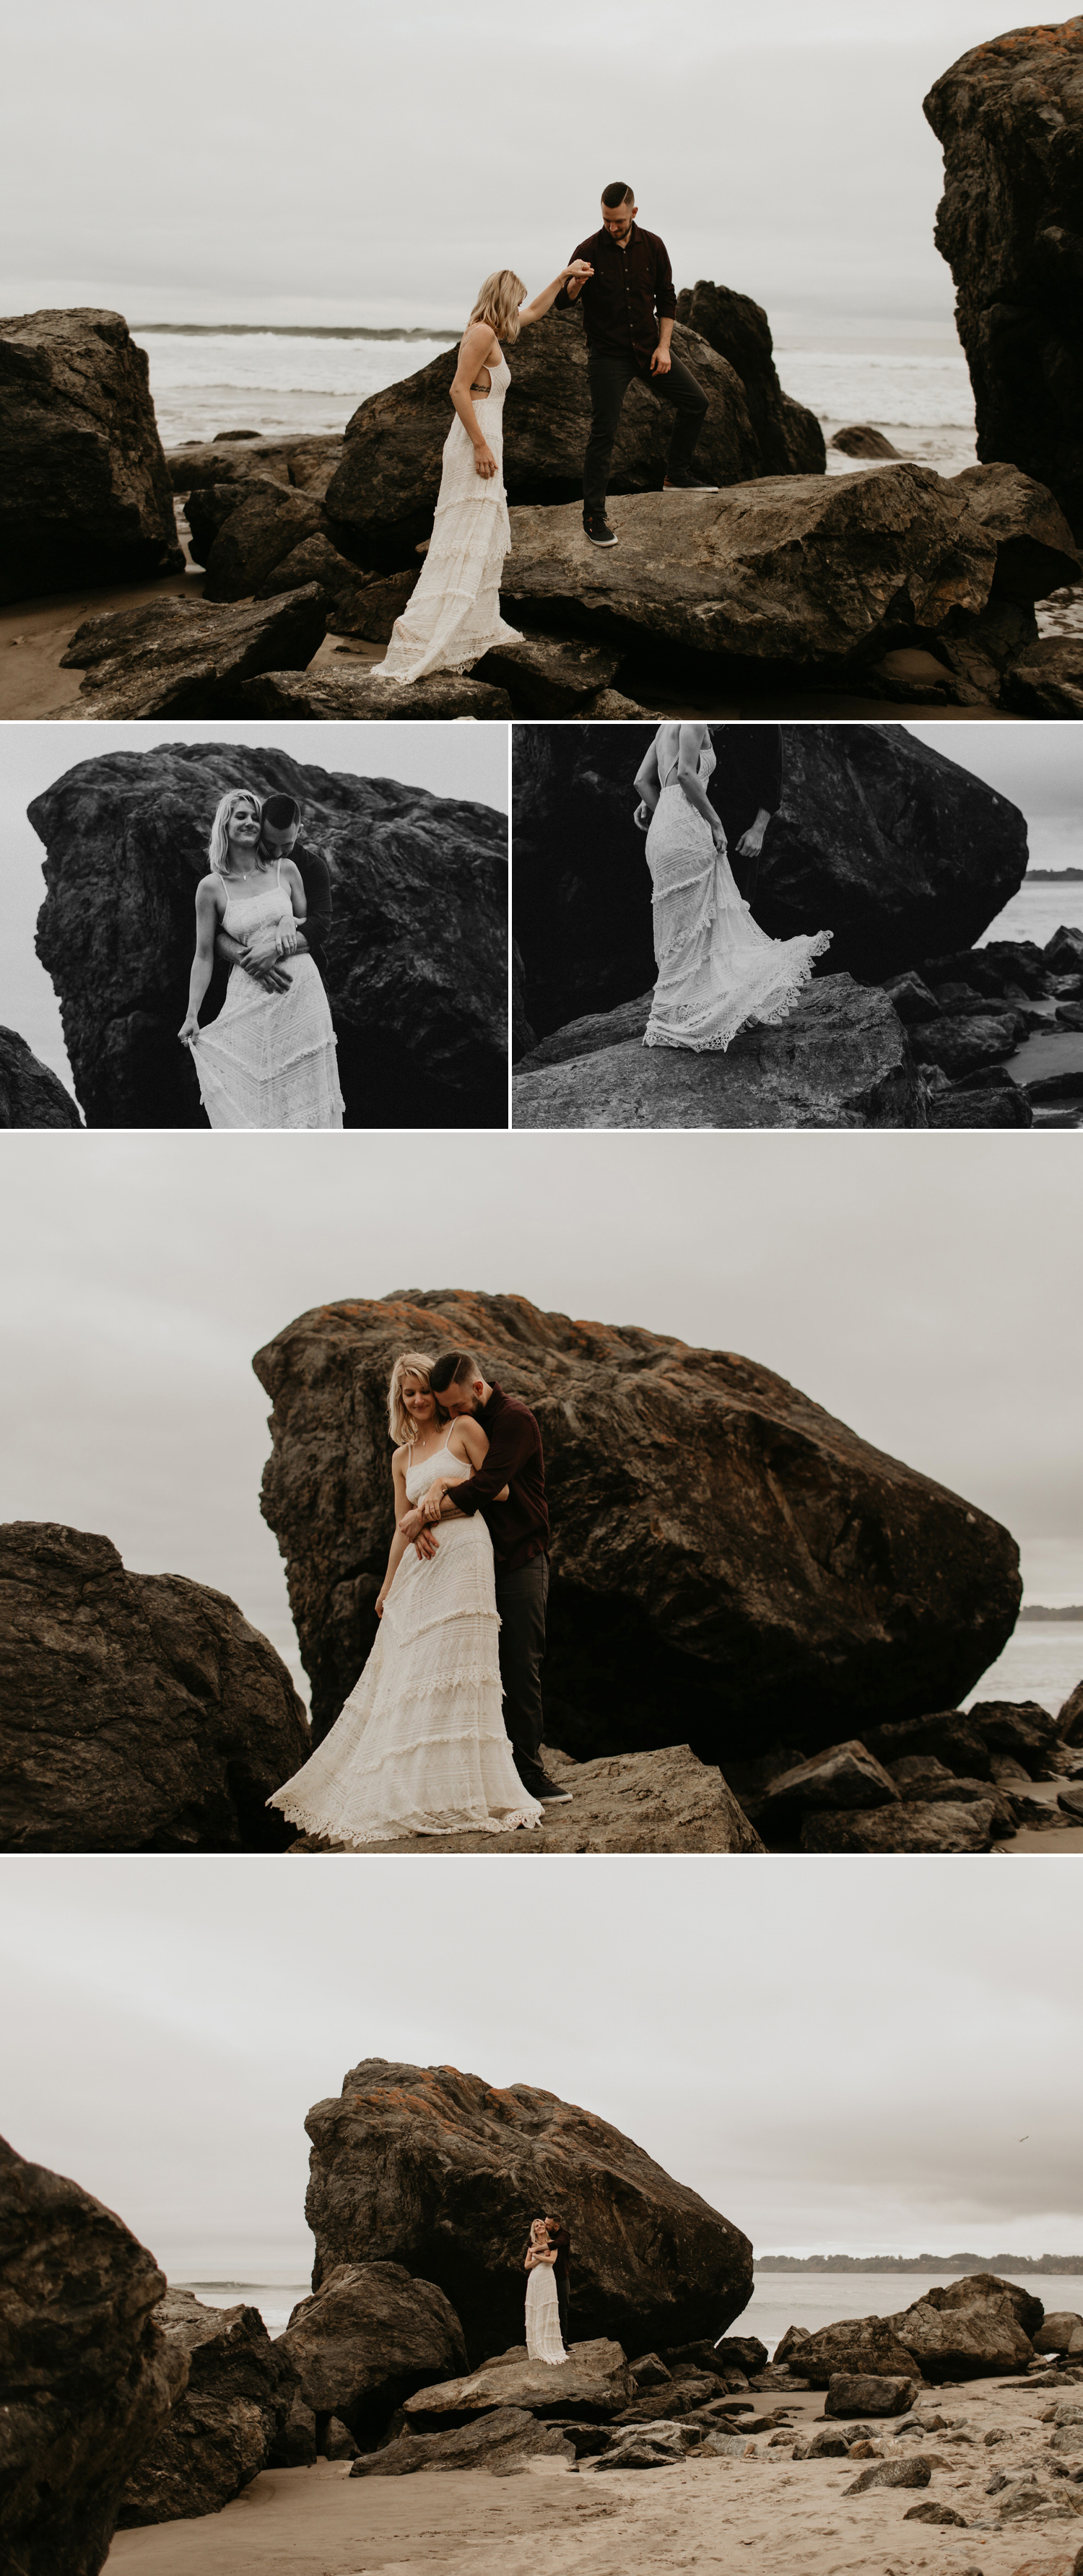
{"x":924,"y":1288}
{"x":169,"y":2023}
{"x":375,"y":168}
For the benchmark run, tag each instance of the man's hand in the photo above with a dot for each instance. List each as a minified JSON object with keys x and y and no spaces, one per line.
{"x":426,"y":1544}
{"x":751,"y":842}
{"x":661,"y":361}
{"x":263,"y":970}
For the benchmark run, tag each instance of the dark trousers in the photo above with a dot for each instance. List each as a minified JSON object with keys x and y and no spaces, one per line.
{"x":521,"y":1597}
{"x":563,"y":2307}
{"x":609,"y":378}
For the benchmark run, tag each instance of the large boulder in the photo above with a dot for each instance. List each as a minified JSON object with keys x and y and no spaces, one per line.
{"x":348,"y":692}
{"x":500,"y":2442}
{"x":790,"y":438}
{"x":857,"y":2348}
{"x":241,"y":531}
{"x":895,"y":848}
{"x":421,"y":1022}
{"x":307,"y":461}
{"x":1035,"y":549}
{"x":977,"y":2327}
{"x":840,"y":1059}
{"x":142,"y":1712}
{"x":791,"y":576}
{"x":767,"y":1573}
{"x":86,"y":2375}
{"x":367,"y":2338}
{"x":176,"y":657}
{"x":1009,"y":116}
{"x":31,"y":1094}
{"x":85,"y":494}
{"x":385,"y":489}
{"x":224,"y":2424}
{"x":442,"y":2172}
{"x":664,"y":1801}
{"x":594,"y":2382}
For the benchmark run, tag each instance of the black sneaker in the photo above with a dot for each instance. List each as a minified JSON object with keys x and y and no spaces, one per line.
{"x":597,"y":528}
{"x":686,"y":483}
{"x":539,"y":1785}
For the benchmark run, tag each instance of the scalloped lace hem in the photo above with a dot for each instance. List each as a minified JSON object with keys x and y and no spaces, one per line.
{"x":766,"y":1014}
{"x":331,"y":1829}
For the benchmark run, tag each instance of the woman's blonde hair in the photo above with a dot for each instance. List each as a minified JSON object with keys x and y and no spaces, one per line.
{"x":408,"y":1364}
{"x":499,"y":301}
{"x":218,"y":845}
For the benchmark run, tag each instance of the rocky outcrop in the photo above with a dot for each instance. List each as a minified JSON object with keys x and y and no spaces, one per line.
{"x":307,"y":461}
{"x":349,"y":693}
{"x":594,"y":2383}
{"x":1046,"y":680}
{"x":977,"y":2327}
{"x":548,"y":677}
{"x":384,"y":492}
{"x":240,"y":532}
{"x":177,"y":657}
{"x":421,"y":1021}
{"x":367,"y":2339}
{"x":857,"y":2347}
{"x":840,"y":1059}
{"x":500,"y":2441}
{"x":1060,"y":2331}
{"x":226,"y":2421}
{"x":790,"y":1578}
{"x":86,"y":2375}
{"x":665,"y":1801}
{"x":789,"y":438}
{"x":896,"y":849}
{"x":1009,"y":116}
{"x":843,"y":1776}
{"x":442,"y":2173}
{"x":862,"y":2394}
{"x":943,"y":1825}
{"x":31,"y":1094}
{"x":1035,"y":549}
{"x":143,"y":1713}
{"x":85,"y":494}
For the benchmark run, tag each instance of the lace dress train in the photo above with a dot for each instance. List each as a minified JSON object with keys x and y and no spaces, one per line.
{"x":420,"y":1746}
{"x":453,"y":616}
{"x":716,"y":968}
{"x":543,"y":2337}
{"x":269,"y":1059}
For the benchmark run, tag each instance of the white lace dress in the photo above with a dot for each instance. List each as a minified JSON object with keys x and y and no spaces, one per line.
{"x":420,"y":1746}
{"x":453,"y":616}
{"x":269,"y":1059}
{"x":716,"y":967}
{"x":543,"y":2338}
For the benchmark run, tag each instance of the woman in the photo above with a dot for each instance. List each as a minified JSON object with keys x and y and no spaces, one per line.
{"x":420,"y":1747}
{"x":543,"y":2338}
{"x":716,"y":967}
{"x":268,"y":1060}
{"x":454,"y":614}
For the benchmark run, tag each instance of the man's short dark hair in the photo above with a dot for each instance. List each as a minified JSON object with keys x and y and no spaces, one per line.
{"x":453,"y":1368}
{"x":281,"y":812}
{"x":618,"y":193}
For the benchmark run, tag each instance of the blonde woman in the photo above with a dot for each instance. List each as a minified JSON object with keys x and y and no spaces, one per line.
{"x":543,"y":2336}
{"x":420,"y":1746}
{"x":454,"y":614}
{"x":269,"y":1059}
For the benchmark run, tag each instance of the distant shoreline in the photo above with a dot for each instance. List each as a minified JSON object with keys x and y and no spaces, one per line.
{"x":946,"y":2263}
{"x":1034,"y":1610}
{"x":294,"y":331}
{"x":1051,"y":876}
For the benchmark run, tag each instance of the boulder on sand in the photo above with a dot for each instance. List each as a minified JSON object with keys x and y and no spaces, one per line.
{"x":866,"y":2393}
{"x":442,"y":2172}
{"x":307,"y":461}
{"x":421,"y":1025}
{"x":143,"y":1713}
{"x":768,"y":1572}
{"x":1009,"y":116}
{"x":31,"y":1094}
{"x":499,"y":2441}
{"x":857,"y":2348}
{"x":1046,"y":680}
{"x":843,"y":1775}
{"x":367,"y":2338}
{"x":594,"y":2383}
{"x":85,"y":494}
{"x":1058,"y":2332}
{"x":176,"y":657}
{"x":253,"y":533}
{"x":943,"y":1825}
{"x":789,"y":438}
{"x":348,"y":693}
{"x":977,"y":2327}
{"x":860,"y":440}
{"x":1035,"y":549}
{"x":225,"y":2423}
{"x":86,"y":2375}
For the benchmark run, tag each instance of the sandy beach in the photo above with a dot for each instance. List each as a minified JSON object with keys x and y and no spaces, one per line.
{"x":546,"y":2520}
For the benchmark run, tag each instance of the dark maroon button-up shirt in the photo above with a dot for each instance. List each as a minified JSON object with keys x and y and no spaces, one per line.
{"x":630,"y":292}
{"x":519,"y":1528}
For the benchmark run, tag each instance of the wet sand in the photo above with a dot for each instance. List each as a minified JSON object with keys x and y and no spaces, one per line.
{"x":788,"y":2518}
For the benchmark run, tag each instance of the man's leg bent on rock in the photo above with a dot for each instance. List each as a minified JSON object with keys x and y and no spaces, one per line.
{"x":686,"y":396}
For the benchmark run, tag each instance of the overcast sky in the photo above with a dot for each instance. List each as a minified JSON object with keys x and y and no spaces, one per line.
{"x":923,"y":1288}
{"x":918,"y":2087}
{"x":371,"y":165}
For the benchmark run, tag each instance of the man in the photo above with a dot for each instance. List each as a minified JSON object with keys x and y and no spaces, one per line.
{"x":519,"y":1530}
{"x":280,"y":824}
{"x":746,"y":790}
{"x":559,"y":2237}
{"x":628,"y":310}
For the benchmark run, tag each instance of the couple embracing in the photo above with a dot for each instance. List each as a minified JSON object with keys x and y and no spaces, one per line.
{"x":442,"y":1733}
{"x":623,"y":278}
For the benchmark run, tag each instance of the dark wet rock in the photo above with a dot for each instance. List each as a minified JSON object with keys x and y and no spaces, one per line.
{"x":790,"y":574}
{"x":933,"y":2512}
{"x":897,"y":850}
{"x":1070,"y":1801}
{"x":1058,"y":2330}
{"x":593,"y":2383}
{"x":1064,"y":952}
{"x":404,"y":2147}
{"x":670,"y":2405}
{"x":255,"y":537}
{"x":386,"y":486}
{"x":789,"y":438}
{"x":338,"y":2442}
{"x":223,"y":2426}
{"x":316,"y":559}
{"x":369,"y":608}
{"x":649,"y":2371}
{"x":499,"y":2441}
{"x":695,"y":1593}
{"x":732,"y":2352}
{"x":1036,"y":552}
{"x":911,"y":998}
{"x":85,"y":494}
{"x":589,"y":1036}
{"x":789,"y":2344}
{"x":915,"y":2472}
{"x":650,"y":2446}
{"x":961,"y":1043}
{"x":31,"y":1094}
{"x":1070,"y":1717}
{"x":348,"y":693}
{"x":177,"y":657}
{"x":1022,"y":1728}
{"x":910,"y":1827}
{"x":294,"y":2445}
{"x":857,"y":2347}
{"x":841,"y":1059}
{"x":843,"y":1775}
{"x":949,"y":1735}
{"x":1009,"y":116}
{"x":421,"y":1026}
{"x":144,"y":1714}
{"x":922,"y":1781}
{"x":826,"y":2443}
{"x":548,"y":676}
{"x":211,"y":505}
{"x":307,"y":462}
{"x":860,"y":440}
{"x":977,"y":2327}
{"x":1004,"y":1104}
{"x":1046,"y":680}
{"x":852,"y":2393}
{"x":86,"y":2375}
{"x":367,"y":2339}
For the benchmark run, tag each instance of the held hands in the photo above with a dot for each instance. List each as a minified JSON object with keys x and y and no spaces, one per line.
{"x":484,"y":462}
{"x":577,"y":274}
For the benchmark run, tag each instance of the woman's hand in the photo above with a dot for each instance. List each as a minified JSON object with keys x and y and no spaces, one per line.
{"x":484,"y":462}
{"x":718,"y":836}
{"x":190,"y":1030}
{"x":380,"y":1600}
{"x":430,"y":1508}
{"x":579,"y":271}
{"x":286,"y":940}
{"x":642,"y":818}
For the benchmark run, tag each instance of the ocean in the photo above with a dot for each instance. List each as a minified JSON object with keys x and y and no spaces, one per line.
{"x":1042,"y":1661}
{"x":1038,"y":910}
{"x":779,"y":2299}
